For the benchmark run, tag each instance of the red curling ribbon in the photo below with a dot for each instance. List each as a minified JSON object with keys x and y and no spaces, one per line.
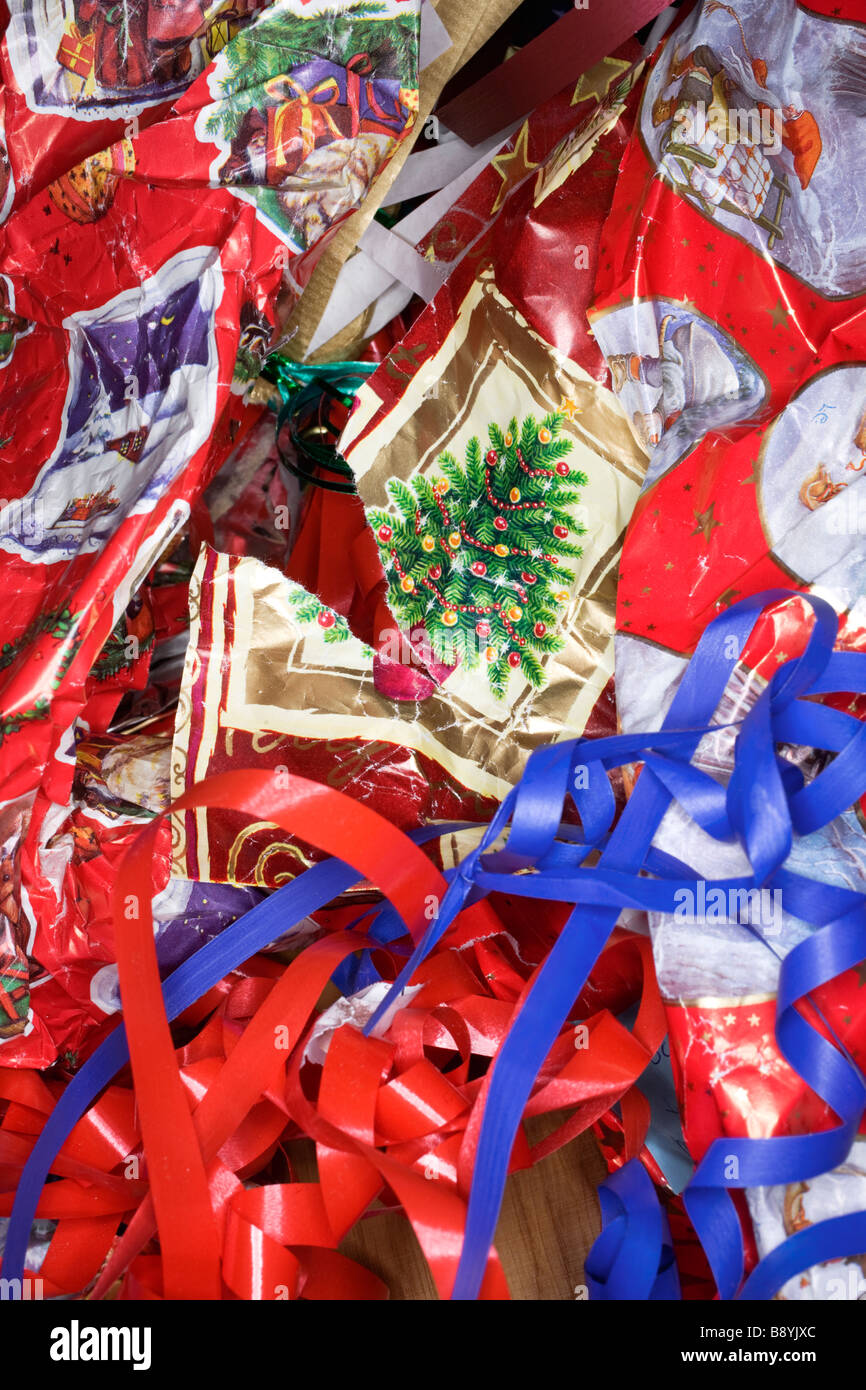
{"x":251,"y":1066}
{"x":331,"y":822}
{"x":77,"y":1251}
{"x":394,"y":1116}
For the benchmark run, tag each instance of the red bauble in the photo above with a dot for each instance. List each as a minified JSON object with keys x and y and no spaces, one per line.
{"x":326,"y":619}
{"x":562,"y":468}
{"x":528,"y":578}
{"x":479,"y":567}
{"x":540,"y":629}
{"x":385,"y":533}
{"x":561,"y":532}
{"x":514,"y":658}
{"x":491,"y":457}
{"x":436,"y":572}
{"x":500,"y":523}
{"x":483,"y":629}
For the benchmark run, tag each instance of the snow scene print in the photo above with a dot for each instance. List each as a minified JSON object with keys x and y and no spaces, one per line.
{"x":141,"y":401}
{"x":812,"y":490}
{"x":677,"y":375}
{"x":303,"y":137}
{"x":753,"y":114}
{"x":91,"y":58}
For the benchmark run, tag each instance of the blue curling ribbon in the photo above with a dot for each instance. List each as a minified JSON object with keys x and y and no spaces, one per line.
{"x":758,"y":809}
{"x":765,"y":803}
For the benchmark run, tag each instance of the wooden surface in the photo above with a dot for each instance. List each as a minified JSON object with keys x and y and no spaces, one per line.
{"x":550,"y":1217}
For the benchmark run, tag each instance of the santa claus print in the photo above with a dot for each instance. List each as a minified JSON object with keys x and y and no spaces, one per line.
{"x":812,"y":488}
{"x":677,"y":374}
{"x":303,"y":137}
{"x":83,"y":56}
{"x":753,"y":129}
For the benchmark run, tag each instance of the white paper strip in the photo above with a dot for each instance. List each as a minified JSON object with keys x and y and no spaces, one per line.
{"x":364,"y":278}
{"x":435,"y":39}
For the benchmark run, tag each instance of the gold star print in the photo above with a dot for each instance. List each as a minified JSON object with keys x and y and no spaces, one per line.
{"x":669,"y":565}
{"x":779,"y":314}
{"x":410,"y":356}
{"x":754,"y":1020}
{"x":729,"y":1019}
{"x":512,"y":167}
{"x":781,"y":657}
{"x":596,"y":82}
{"x":705,"y":522}
{"x":569,"y":408}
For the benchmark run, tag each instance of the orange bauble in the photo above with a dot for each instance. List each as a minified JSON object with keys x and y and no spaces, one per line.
{"x":544,"y":435}
{"x":454,"y":539}
{"x":407,"y":584}
{"x":514,"y":494}
{"x":427,"y":543}
{"x":449,"y":617}
{"x":500,"y":549}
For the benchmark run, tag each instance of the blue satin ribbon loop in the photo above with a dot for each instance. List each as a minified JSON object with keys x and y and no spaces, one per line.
{"x":633,"y":1257}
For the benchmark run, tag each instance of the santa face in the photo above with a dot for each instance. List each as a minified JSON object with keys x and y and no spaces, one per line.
{"x":676,"y":374}
{"x":813,"y":484}
{"x":740,"y":120}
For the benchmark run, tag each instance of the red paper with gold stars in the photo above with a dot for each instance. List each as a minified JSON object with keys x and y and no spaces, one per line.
{"x":731,"y":310}
{"x":168,"y":174}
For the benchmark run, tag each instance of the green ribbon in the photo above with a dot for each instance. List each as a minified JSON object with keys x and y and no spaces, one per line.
{"x":307,"y":390}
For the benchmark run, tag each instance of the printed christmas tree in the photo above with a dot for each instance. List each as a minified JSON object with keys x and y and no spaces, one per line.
{"x":479,"y":554}
{"x":308,"y":609}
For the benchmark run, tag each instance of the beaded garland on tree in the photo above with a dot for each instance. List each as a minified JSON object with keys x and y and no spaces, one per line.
{"x":476,"y":555}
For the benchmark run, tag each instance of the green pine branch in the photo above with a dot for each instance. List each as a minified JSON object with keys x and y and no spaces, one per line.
{"x":281,"y":42}
{"x":532,"y":669}
{"x":403,"y":497}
